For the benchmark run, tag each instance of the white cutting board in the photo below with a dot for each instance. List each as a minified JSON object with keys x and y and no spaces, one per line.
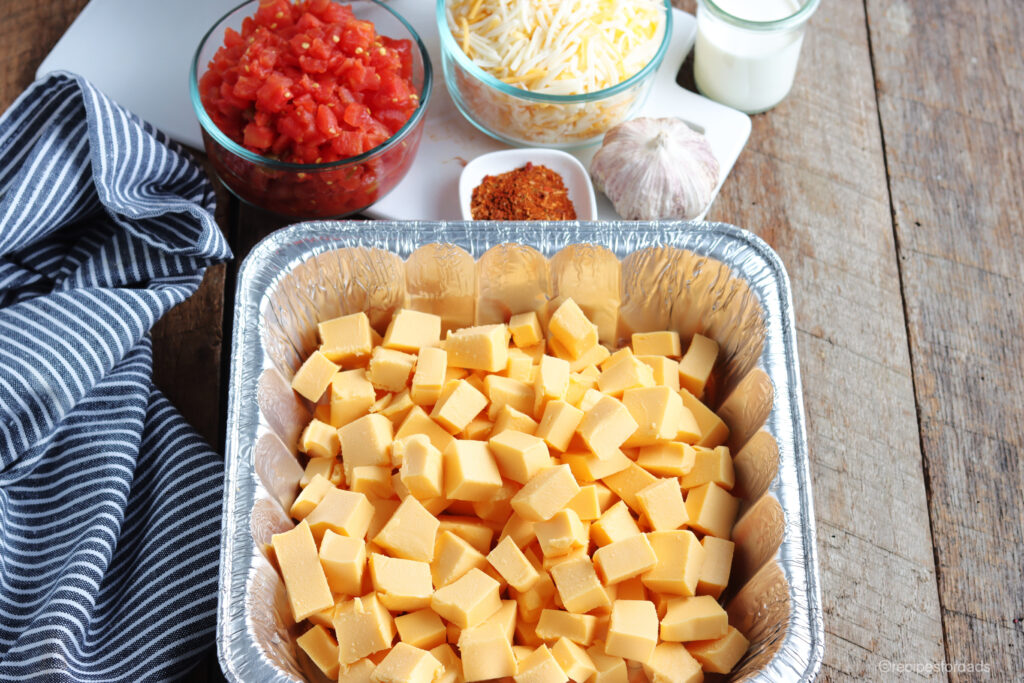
{"x":139,"y":52}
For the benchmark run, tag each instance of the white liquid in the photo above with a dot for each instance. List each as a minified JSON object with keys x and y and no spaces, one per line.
{"x":749,"y":70}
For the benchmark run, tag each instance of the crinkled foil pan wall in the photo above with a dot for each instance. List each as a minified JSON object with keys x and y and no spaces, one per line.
{"x":706,"y":277}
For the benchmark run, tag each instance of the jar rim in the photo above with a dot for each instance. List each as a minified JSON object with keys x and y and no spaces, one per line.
{"x":807,"y":8}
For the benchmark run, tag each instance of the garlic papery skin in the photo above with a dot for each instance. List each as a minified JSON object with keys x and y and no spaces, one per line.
{"x":655,"y":168}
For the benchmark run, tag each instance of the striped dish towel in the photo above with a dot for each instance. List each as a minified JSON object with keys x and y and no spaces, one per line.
{"x":109,"y":501}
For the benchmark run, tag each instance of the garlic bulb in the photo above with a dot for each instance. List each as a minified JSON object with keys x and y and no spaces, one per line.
{"x":655,"y":168}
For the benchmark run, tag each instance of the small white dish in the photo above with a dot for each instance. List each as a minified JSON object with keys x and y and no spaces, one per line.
{"x":574,"y":175}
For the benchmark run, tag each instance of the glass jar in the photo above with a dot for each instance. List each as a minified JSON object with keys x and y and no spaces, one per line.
{"x":747,"y":50}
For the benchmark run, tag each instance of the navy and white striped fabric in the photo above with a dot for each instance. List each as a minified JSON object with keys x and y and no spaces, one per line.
{"x":109,"y":501}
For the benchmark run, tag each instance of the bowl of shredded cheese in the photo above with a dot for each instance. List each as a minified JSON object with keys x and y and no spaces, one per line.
{"x":551,"y":73}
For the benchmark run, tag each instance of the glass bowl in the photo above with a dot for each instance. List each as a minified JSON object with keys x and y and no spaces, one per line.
{"x":330,"y":189}
{"x":520,"y":117}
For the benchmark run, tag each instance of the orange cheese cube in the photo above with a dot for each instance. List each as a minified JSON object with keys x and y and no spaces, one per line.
{"x":546,"y":493}
{"x":319,"y":440}
{"x":371,"y":480}
{"x":389,"y":370}
{"x":714,"y":573}
{"x":671,"y":663}
{"x":578,"y":386}
{"x":309,"y":497}
{"x":458,"y":404}
{"x":558,"y":424}
{"x":520,"y":456}
{"x":422,"y":628}
{"x":513,"y":566}
{"x":551,"y":382}
{"x":667,"y":459}
{"x":486,"y":654}
{"x":484,"y":347}
{"x":498,"y":507}
{"x":628,"y":483}
{"x":469,"y":529}
{"x":429,"y":378}
{"x":586,"y":503}
{"x":468,"y":600}
{"x":632,"y":630}
{"x":314,"y":376}
{"x":578,"y":586}
{"x":410,"y":533}
{"x":657,"y":412}
{"x":505,"y":617}
{"x":412,"y":330}
{"x":326,"y":467}
{"x":631,"y":589}
{"x":470,"y":471}
{"x":452,"y":672}
{"x":348,"y":339}
{"x":418,"y":422}
{"x":401,"y":585}
{"x":453,"y":557}
{"x":525,"y":329}
{"x":615,"y":524}
{"x":662,"y":505}
{"x":629,"y":373}
{"x":570,"y":327}
{"x":694,"y":618}
{"x":540,"y":666}
{"x":711,"y":465}
{"x":713,"y":431}
{"x":665,"y":370}
{"x":359,"y":671}
{"x":621,"y":560}
{"x":421,"y":466}
{"x":530,"y":603}
{"x":573,"y":660}
{"x":343,"y":559}
{"x":722,"y":654}
{"x":351,"y":396}
{"x":407,"y":664}
{"x":549,"y":561}
{"x":366,"y":441}
{"x":712,"y":510}
{"x":505,"y":391}
{"x":689,"y":429}
{"x":555,"y":624}
{"x":696,"y":365}
{"x":508,"y":418}
{"x":519,"y":530}
{"x":561,"y":534}
{"x":344,"y":512}
{"x":398,"y":408}
{"x":665,"y":343}
{"x":608,"y":669}
{"x":680,"y":558}
{"x":479,"y":429}
{"x":520,"y":365}
{"x":362,"y":627}
{"x":383,"y":509}
{"x":589,"y":467}
{"x":606,"y":426}
{"x":297,"y":558}
{"x":322,"y":649}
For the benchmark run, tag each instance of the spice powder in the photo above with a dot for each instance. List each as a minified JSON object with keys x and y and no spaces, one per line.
{"x":529,"y":193}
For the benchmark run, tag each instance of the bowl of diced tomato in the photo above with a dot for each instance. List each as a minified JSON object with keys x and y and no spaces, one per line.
{"x":314,"y":108}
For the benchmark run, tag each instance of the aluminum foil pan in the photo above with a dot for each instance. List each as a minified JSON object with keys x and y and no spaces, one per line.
{"x":691,"y":277}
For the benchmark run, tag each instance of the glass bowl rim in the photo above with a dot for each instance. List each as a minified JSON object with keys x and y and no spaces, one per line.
{"x":451,"y":49}
{"x":211,"y":129}
{"x":789,"y":21}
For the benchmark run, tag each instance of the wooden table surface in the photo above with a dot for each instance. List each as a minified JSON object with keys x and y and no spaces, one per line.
{"x":890,"y":182}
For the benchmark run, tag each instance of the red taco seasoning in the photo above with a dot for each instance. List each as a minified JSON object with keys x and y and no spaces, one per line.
{"x":529,"y":193}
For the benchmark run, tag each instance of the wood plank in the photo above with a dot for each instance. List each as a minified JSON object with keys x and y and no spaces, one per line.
{"x":951,"y":101}
{"x":812,"y":183}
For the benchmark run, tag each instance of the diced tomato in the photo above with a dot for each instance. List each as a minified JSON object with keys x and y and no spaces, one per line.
{"x":274,"y":94}
{"x":258,"y":137}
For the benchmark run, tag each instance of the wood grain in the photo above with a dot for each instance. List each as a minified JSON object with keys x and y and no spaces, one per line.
{"x":812,"y":183}
{"x":951,"y":101}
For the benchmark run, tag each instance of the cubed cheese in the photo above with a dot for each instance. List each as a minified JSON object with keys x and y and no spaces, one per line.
{"x":467,"y":601}
{"x":453,"y":557}
{"x":458,"y":404}
{"x":722,"y":654}
{"x":520,"y":456}
{"x":410,"y":533}
{"x":664,"y":343}
{"x":505,"y":391}
{"x":694,"y":618}
{"x":484,"y":347}
{"x":696,"y":365}
{"x":671,"y":459}
{"x":513,"y":566}
{"x":551,"y":382}
{"x":606,"y":425}
{"x":486,"y":654}
{"x":418,"y":422}
{"x":540,"y":666}
{"x":608,"y":669}
{"x":343,"y":559}
{"x":561,"y":534}
{"x":615,"y":524}
{"x":712,"y":510}
{"x":347,"y":340}
{"x":389,"y":369}
{"x":508,"y":418}
{"x":401,"y":585}
{"x":321,"y":647}
{"x":407,"y":664}
{"x":319,"y":440}
{"x":578,"y":586}
{"x":671,"y":663}
{"x":555,"y":624}
{"x":546,"y":493}
{"x":571,"y":328}
{"x":351,"y":396}
{"x":628,"y":482}
{"x":632,"y":630}
{"x":469,"y":529}
{"x":624,"y":559}
{"x":297,"y":558}
{"x":314,"y":376}
{"x":573,"y":660}
{"x":680,"y":558}
{"x":344,"y":512}
{"x":422,"y":628}
{"x":586,"y":503}
{"x":362,"y":627}
{"x":372,"y":480}
{"x":558,"y":424}
{"x":412,"y":330}
{"x":714,"y":573}
{"x":470,"y":471}
{"x":665,"y":370}
{"x":588,"y":467}
{"x":657,"y":412}
{"x":429,"y":377}
{"x":662,"y":505}
{"x":713,"y":431}
{"x":366,"y":441}
{"x":525,"y":329}
{"x":711,"y":465}
{"x":629,"y":373}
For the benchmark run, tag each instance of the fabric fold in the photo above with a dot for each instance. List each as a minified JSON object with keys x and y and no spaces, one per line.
{"x":109,"y":500}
